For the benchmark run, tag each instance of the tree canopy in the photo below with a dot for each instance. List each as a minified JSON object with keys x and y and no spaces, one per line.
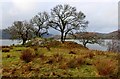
{"x":66,"y":19}
{"x":40,"y":21}
{"x":21,"y":30}
{"x":63,"y":18}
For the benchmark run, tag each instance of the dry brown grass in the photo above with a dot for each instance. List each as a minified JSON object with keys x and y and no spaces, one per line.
{"x":5,"y":49}
{"x":76,"y":62}
{"x":106,"y":67}
{"x":71,"y":45}
{"x":66,"y":44}
{"x":27,"y":55}
{"x":63,"y":66}
{"x":72,"y":52}
{"x":58,"y":57}
{"x":90,"y":55}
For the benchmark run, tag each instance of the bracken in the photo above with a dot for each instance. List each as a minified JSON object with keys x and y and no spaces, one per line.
{"x":106,"y":67}
{"x":27,"y":55}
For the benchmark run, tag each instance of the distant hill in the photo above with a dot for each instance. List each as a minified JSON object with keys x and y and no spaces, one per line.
{"x":110,"y":35}
{"x":114,"y":34}
{"x":4,"y":35}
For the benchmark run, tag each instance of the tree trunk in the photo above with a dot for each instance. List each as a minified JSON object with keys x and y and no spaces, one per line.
{"x":62,"y":37}
{"x":24,"y":41}
{"x":37,"y":33}
{"x":84,"y":44}
{"x":65,"y":36}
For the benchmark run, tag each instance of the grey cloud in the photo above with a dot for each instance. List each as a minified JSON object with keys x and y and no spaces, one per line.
{"x":102,"y":16}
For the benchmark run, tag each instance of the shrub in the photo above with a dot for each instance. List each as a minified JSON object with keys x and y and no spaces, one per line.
{"x":18,"y":50}
{"x":48,"y":48}
{"x":5,"y":46}
{"x":35,"y":48}
{"x":100,"y":53}
{"x":106,"y":67}
{"x":0,"y":47}
{"x":5,"y":50}
{"x":53,"y":44}
{"x":72,"y":63}
{"x":80,"y":60}
{"x":51,"y":61}
{"x":76,"y":62}
{"x":63,"y":66}
{"x":91,"y":55}
{"x":71,"y":45}
{"x":8,"y":56}
{"x":27,"y":55}
{"x":58,"y":57}
{"x":42,"y":56}
{"x":71,"y":52}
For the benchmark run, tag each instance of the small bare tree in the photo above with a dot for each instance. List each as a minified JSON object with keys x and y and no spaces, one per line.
{"x":114,"y":45}
{"x":88,"y":37}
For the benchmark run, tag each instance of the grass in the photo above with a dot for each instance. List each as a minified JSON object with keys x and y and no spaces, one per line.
{"x":59,"y":61}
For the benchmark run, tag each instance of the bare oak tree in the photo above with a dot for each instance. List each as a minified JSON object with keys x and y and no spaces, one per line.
{"x":66,"y":19}
{"x":21,"y":30}
{"x":40,"y":23}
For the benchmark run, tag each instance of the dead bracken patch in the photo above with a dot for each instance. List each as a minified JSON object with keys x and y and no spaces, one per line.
{"x":76,"y":62}
{"x":5,"y":49}
{"x":27,"y":55}
{"x":66,"y":44}
{"x":8,"y":56}
{"x":71,"y":52}
{"x":106,"y":67}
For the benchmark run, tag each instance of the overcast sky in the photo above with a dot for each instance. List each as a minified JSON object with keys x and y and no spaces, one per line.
{"x":102,"y":15}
